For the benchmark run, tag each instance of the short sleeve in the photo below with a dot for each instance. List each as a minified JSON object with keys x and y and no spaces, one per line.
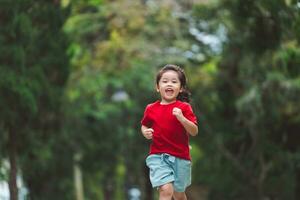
{"x":189,"y":114}
{"x":146,"y":121}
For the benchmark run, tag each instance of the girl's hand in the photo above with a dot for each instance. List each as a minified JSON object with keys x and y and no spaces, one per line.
{"x":148,"y":133}
{"x":189,"y":126}
{"x":178,"y":114}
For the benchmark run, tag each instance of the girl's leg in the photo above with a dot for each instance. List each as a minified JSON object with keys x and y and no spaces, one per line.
{"x":166,"y":192}
{"x":179,"y":196}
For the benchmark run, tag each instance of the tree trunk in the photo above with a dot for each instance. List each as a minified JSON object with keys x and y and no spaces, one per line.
{"x":149,"y":190}
{"x":108,"y":190}
{"x":78,"y":182}
{"x":12,"y":146}
{"x":297,"y":184}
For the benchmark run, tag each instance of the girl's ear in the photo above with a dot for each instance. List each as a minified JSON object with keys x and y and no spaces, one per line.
{"x":157,"y":88}
{"x":181,"y":89}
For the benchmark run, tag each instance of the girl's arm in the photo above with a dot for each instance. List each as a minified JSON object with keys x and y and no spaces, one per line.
{"x":189,"y":126}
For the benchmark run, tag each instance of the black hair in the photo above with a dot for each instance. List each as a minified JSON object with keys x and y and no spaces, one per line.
{"x":185,"y":94}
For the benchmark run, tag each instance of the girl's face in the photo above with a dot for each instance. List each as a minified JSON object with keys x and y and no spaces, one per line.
{"x":169,"y":86}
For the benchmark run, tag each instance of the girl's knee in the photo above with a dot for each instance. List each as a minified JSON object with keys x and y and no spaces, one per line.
{"x":166,"y":190}
{"x":180,"y":196}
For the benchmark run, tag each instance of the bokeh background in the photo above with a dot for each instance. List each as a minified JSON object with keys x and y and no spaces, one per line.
{"x":76,"y":75}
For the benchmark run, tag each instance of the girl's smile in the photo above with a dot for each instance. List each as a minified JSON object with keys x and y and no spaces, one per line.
{"x":169,"y":91}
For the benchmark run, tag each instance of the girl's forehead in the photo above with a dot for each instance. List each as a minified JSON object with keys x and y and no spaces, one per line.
{"x":170,"y":74}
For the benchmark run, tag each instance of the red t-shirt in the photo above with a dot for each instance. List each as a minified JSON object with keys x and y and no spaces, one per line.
{"x":169,"y":135}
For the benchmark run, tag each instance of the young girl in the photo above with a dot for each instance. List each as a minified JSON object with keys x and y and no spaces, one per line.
{"x":168,"y":123}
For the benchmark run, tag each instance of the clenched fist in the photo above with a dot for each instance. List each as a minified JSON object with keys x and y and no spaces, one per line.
{"x":148,"y":133}
{"x":178,"y":113}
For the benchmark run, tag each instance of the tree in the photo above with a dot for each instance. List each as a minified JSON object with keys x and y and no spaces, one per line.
{"x":34,"y":68}
{"x":254,"y":117}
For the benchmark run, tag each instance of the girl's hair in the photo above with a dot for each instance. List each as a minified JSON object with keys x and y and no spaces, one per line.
{"x":184,"y":95}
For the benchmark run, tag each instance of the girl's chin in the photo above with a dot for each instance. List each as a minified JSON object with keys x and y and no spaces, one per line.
{"x":169,"y":100}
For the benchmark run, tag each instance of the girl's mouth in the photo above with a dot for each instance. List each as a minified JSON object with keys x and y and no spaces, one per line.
{"x":169,"y":92}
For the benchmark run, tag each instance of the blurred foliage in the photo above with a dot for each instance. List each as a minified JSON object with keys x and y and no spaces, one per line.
{"x":251,"y":114}
{"x":34,"y":69}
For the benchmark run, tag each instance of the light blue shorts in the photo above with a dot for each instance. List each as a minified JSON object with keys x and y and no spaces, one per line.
{"x":165,"y":168}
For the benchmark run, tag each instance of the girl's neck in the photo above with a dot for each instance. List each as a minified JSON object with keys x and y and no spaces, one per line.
{"x":163,"y":102}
